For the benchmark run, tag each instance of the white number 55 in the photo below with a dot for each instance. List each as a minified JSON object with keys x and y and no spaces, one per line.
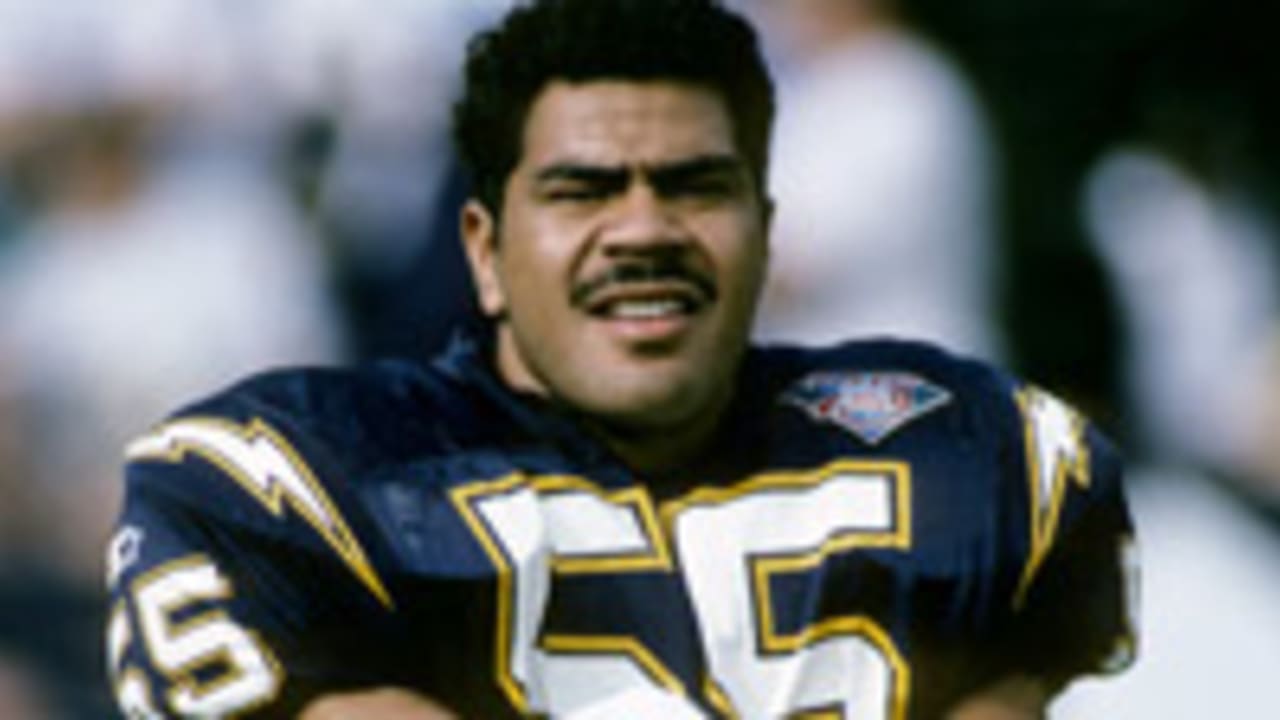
{"x":732,"y":543}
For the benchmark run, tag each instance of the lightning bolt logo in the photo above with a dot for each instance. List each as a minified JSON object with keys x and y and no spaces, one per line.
{"x":1057,"y":455}
{"x":266,"y":466}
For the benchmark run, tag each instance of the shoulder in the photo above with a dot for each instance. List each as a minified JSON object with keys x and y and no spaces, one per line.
{"x":876,"y":383}
{"x":316,"y":397}
{"x":967,"y":379}
{"x":275,"y":461}
{"x":304,"y":436}
{"x":365,"y":414}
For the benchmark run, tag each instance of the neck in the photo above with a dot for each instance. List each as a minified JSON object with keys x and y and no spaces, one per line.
{"x":655,"y":452}
{"x":654,"y":447}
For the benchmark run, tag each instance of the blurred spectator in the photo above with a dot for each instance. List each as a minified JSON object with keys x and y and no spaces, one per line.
{"x":155,"y":253}
{"x":390,"y":192}
{"x":1195,"y":268}
{"x":145,"y":278}
{"x":156,"y":162}
{"x":883,"y":180}
{"x":1176,"y":219}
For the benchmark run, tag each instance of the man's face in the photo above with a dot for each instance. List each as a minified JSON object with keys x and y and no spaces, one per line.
{"x":629,"y":254}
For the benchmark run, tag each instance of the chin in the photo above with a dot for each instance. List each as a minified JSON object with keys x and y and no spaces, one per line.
{"x":656,"y":405}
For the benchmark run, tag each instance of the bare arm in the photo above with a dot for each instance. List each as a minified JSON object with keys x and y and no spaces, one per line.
{"x":1013,"y":698}
{"x":1017,"y":697}
{"x":380,"y":704}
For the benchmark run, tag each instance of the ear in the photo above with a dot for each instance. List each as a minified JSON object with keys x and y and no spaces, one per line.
{"x":480,"y":240}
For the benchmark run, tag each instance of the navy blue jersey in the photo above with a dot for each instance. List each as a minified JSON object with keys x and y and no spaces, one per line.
{"x":879,"y":529}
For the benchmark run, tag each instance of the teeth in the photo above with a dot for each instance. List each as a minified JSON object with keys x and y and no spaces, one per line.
{"x":645,"y":309}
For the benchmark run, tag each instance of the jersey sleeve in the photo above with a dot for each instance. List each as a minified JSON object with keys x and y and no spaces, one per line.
{"x":1076,"y":567}
{"x":237,"y":587}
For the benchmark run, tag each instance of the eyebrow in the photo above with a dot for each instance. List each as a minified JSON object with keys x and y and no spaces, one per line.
{"x":697,"y":167}
{"x":582,"y":172}
{"x":659,"y":174}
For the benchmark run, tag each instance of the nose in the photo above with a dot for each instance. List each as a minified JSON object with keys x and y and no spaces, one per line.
{"x":643,"y":220}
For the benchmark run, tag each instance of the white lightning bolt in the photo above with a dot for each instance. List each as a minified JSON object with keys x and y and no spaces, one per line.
{"x":1057,"y":453}
{"x":263,"y":463}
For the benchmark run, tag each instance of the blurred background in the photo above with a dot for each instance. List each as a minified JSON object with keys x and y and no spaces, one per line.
{"x":1085,"y":192}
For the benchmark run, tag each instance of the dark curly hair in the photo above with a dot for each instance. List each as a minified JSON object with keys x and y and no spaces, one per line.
{"x":691,"y":41}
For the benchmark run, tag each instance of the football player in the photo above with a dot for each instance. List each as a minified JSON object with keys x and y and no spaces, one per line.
{"x":604,"y":503}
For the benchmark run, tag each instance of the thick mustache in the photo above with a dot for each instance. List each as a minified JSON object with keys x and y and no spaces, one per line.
{"x":643,"y":272}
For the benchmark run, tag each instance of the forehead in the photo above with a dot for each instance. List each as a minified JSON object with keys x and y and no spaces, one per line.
{"x":624,"y":122}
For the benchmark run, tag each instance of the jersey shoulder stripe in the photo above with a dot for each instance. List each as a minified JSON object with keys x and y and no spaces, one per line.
{"x":264,"y":464}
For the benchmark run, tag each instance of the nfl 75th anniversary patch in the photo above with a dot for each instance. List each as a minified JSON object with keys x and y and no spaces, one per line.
{"x":871,"y":405}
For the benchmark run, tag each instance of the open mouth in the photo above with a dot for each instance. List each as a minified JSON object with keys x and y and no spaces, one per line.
{"x":634,"y":303}
{"x":644,"y":292}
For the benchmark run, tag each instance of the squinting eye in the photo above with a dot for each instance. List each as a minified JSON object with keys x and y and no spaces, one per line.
{"x":708,"y":188}
{"x":574,"y":194}
{"x":712,"y":188}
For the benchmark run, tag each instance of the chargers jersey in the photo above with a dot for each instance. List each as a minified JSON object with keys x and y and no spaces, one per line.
{"x":880,"y":529}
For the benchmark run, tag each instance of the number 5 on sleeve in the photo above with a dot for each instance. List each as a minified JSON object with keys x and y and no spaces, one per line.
{"x":211,"y":666}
